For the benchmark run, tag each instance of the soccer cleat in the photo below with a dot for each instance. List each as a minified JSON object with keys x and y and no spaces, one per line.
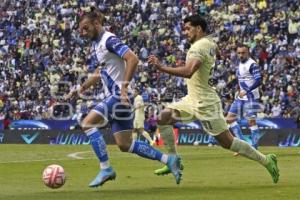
{"x":272,"y":167}
{"x":162,"y":171}
{"x":103,"y":176}
{"x":235,"y":154}
{"x":165,"y":170}
{"x":174,"y":166}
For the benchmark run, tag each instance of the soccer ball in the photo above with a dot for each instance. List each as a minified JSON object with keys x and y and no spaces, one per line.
{"x":54,"y":176}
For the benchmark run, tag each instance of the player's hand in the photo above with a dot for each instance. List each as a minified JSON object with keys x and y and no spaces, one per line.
{"x":74,"y":93}
{"x":242,"y":93}
{"x":124,"y":96}
{"x":153,"y":60}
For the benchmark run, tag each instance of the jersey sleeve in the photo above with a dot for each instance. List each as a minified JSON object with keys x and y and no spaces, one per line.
{"x":116,"y":46}
{"x":255,"y":72}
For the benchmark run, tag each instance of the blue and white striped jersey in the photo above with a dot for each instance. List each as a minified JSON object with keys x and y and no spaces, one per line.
{"x":249,"y":78}
{"x":107,"y":54}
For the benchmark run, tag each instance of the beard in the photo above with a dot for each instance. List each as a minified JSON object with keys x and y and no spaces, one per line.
{"x":243,"y":60}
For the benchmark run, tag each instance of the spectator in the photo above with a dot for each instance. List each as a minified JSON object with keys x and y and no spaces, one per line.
{"x":276,"y":110}
{"x":6,"y":122}
{"x":40,"y":50}
{"x":295,"y":114}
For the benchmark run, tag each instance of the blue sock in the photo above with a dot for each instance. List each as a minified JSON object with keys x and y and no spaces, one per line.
{"x":236,"y":129}
{"x":98,"y":144}
{"x":254,"y":136}
{"x":145,"y":150}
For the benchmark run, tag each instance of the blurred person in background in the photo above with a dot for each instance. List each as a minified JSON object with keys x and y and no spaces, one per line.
{"x":139,"y":118}
{"x":246,"y":103}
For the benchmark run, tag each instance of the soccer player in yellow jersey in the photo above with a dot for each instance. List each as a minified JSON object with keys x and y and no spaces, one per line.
{"x":139,"y":117}
{"x":202,"y":102}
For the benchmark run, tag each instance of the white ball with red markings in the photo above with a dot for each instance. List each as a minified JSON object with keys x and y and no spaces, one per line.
{"x":54,"y":176}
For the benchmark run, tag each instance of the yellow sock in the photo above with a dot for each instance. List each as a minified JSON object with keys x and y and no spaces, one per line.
{"x":166,"y":132}
{"x":147,"y":136}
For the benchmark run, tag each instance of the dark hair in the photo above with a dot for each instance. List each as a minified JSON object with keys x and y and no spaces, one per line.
{"x":197,"y":20}
{"x":94,"y":15}
{"x":138,"y":90}
{"x":242,"y":45}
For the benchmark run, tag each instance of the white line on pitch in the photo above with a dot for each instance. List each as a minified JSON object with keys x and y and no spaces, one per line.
{"x":70,"y":156}
{"x":38,"y":160}
{"x":76,"y":154}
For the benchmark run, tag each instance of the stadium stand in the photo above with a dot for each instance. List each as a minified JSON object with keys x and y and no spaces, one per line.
{"x":41,"y":52}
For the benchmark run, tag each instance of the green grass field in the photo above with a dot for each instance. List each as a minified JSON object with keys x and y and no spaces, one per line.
{"x":210,"y":173}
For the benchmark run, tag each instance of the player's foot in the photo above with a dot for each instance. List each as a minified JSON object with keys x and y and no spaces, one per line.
{"x":272,"y":167}
{"x":165,"y":170}
{"x":174,"y":166}
{"x":103,"y":176}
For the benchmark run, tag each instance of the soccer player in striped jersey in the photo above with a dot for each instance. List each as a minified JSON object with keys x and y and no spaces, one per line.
{"x":246,"y":104}
{"x":115,"y":65}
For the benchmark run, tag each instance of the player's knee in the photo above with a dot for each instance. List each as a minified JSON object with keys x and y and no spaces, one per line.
{"x":225,"y":145}
{"x":86,"y":125}
{"x":223,"y":142}
{"x":251,"y":122}
{"x":124,"y":147}
{"x":225,"y":139}
{"x":230,"y":119}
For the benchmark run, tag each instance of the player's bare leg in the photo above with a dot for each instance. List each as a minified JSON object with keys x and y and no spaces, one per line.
{"x":126,"y":144}
{"x":227,"y":141}
{"x":90,"y":126}
{"x":167,"y":118}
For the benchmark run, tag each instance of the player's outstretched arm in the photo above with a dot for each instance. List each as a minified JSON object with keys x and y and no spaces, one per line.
{"x":92,"y":80}
{"x":185,"y":71}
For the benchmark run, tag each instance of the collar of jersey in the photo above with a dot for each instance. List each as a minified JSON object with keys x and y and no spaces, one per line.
{"x":100,"y":36}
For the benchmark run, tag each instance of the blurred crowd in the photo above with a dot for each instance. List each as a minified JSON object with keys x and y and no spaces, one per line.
{"x":42,"y":55}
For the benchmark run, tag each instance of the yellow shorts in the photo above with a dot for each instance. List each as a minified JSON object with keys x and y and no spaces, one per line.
{"x":211,"y":115}
{"x":138,"y":123}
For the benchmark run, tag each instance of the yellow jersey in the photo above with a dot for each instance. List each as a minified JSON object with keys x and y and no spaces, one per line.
{"x":198,"y":86}
{"x":139,"y":113}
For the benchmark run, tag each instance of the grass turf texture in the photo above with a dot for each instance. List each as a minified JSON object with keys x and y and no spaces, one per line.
{"x":210,"y":173}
